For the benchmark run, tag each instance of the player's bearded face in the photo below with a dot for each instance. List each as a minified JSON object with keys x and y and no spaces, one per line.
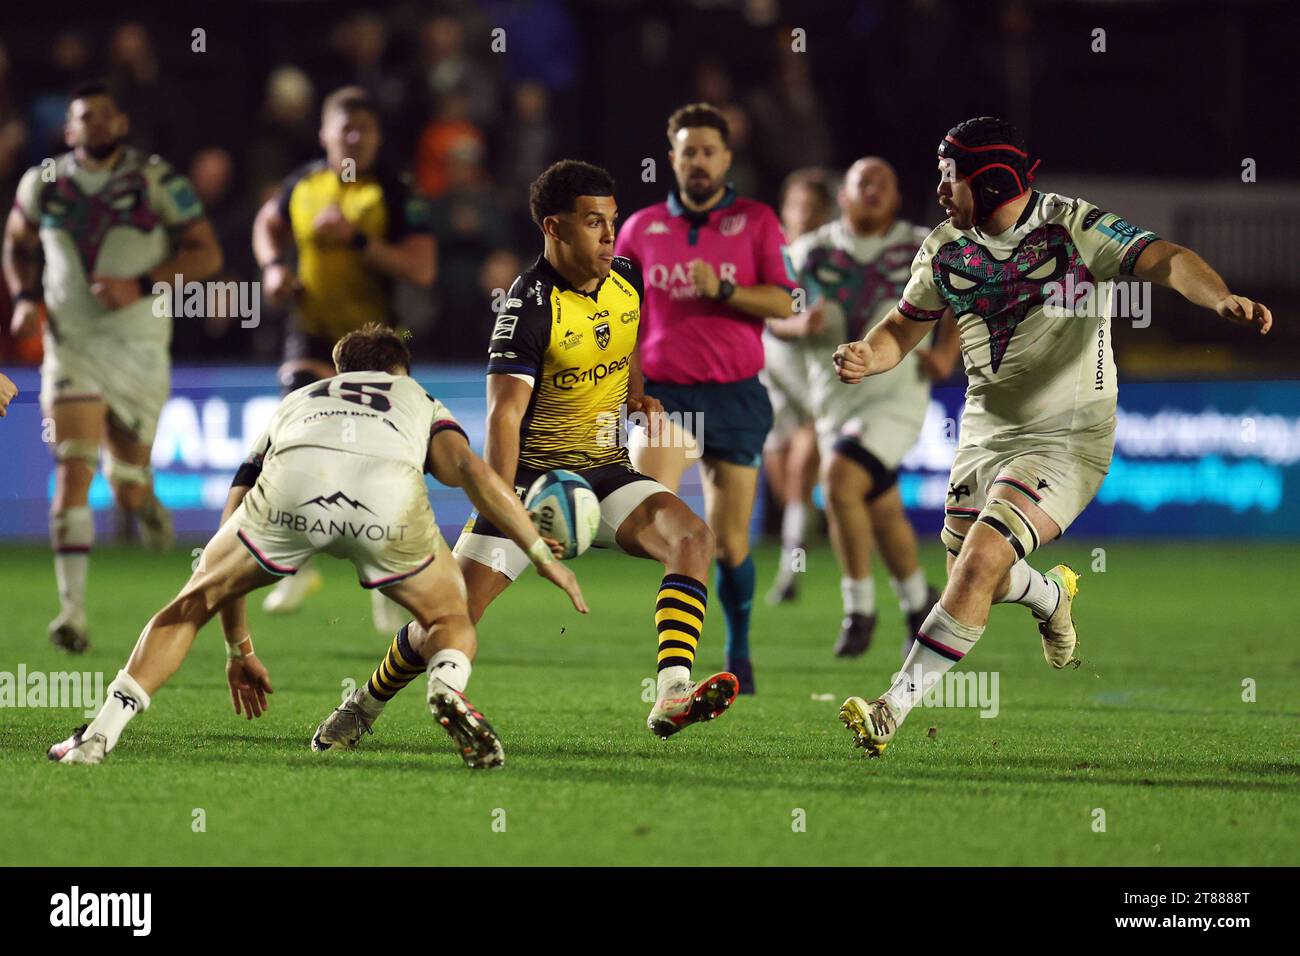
{"x":700,"y":162}
{"x":96,"y":127}
{"x":955,"y":196}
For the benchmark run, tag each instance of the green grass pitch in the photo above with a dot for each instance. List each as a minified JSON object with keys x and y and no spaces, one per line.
{"x":1153,"y":731}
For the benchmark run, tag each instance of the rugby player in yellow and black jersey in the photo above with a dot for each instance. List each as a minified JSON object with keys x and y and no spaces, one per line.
{"x":562,"y":363}
{"x":336,"y":236}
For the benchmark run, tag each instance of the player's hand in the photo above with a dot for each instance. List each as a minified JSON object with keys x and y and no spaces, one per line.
{"x":7,"y":392}
{"x":114,"y":292}
{"x":26,"y":320}
{"x":280,"y":284}
{"x":851,"y":361}
{"x":814,"y":320}
{"x":1239,"y":309}
{"x":651,"y":409}
{"x":332,"y":226}
{"x":562,"y":577}
{"x":249,"y":684}
{"x":704,"y":278}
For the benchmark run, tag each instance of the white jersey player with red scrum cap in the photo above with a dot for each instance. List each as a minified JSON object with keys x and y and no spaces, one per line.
{"x":1038,"y":428}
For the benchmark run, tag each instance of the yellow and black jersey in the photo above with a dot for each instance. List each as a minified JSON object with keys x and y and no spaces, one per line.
{"x":340,"y":292}
{"x":575,"y":349}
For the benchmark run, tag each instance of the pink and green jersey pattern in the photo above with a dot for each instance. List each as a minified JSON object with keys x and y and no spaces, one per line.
{"x":686,"y":338}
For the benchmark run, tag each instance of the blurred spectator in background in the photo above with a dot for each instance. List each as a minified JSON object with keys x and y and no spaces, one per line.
{"x":790,"y":129}
{"x":472,"y":232}
{"x":155,"y":109}
{"x":713,"y":84}
{"x":525,"y":145}
{"x":69,"y":64}
{"x":360,"y":44}
{"x":287,"y":133}
{"x":212,"y":174}
{"x":443,"y":67}
{"x":450,"y":129}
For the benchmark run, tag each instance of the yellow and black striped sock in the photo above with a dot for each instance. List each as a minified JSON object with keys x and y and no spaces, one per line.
{"x":400,"y":666}
{"x":679,"y":618}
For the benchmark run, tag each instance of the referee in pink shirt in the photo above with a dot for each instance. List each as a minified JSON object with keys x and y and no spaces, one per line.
{"x":714,"y":268}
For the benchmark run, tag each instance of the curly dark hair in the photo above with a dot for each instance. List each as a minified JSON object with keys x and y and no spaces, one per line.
{"x":557,"y":189}
{"x":373,"y":348}
{"x":699,"y":114}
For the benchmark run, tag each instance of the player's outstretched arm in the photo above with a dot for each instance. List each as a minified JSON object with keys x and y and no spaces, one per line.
{"x":454,"y":463}
{"x":234,"y":614}
{"x":881,"y":349}
{"x":22,"y":266}
{"x":1179,"y":268}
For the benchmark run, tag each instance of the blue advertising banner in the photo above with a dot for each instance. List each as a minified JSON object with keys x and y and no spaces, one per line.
{"x":1213,"y":459}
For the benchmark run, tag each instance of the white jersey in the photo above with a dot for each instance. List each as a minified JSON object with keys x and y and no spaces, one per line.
{"x":374,"y":414}
{"x":857,"y":280}
{"x":1034,"y":370}
{"x":116,"y":222}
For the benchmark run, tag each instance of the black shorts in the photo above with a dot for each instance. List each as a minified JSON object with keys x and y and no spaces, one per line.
{"x":735,"y":417}
{"x":299,"y":345}
{"x":882,"y":478}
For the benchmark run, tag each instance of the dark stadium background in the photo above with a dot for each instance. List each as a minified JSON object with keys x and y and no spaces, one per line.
{"x":1156,"y":127}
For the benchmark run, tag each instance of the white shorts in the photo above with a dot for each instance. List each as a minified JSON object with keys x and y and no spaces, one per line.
{"x":619,"y":488}
{"x":132,"y":377}
{"x":1061,"y":480}
{"x":882,"y":413}
{"x":785,"y":376}
{"x":372,"y":511}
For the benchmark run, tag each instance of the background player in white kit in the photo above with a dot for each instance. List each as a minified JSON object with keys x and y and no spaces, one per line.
{"x":790,"y":450}
{"x":340,"y":470}
{"x":110,"y":222}
{"x":853,"y":270}
{"x":1038,"y":428}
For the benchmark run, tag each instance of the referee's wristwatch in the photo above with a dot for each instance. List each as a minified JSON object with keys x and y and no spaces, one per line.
{"x":726,"y":289}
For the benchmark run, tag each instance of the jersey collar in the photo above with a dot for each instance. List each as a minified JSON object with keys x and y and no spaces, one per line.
{"x":553,"y":276}
{"x":700,"y":218}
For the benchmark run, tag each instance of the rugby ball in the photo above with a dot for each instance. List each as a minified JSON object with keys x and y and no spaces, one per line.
{"x":564,"y":507}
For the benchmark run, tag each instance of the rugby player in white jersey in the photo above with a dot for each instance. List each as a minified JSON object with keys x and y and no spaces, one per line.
{"x":1018,"y":268}
{"x":339,"y":470}
{"x":108,"y":222}
{"x":790,"y":450}
{"x":853,"y":270}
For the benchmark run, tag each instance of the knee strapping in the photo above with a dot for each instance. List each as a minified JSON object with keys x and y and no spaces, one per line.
{"x":121,"y":472}
{"x":1010,"y":522}
{"x":952,"y":539}
{"x":72,"y":529}
{"x":77,"y":449}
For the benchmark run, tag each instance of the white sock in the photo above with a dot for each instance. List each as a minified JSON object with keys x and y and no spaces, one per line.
{"x":72,"y":533}
{"x":451,"y":667}
{"x":1032,"y":589}
{"x":859,"y":595}
{"x":125,"y":699}
{"x":943,"y":641}
{"x":793,"y":525}
{"x":911,"y":591}
{"x":670,"y":676}
{"x":370,"y":706}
